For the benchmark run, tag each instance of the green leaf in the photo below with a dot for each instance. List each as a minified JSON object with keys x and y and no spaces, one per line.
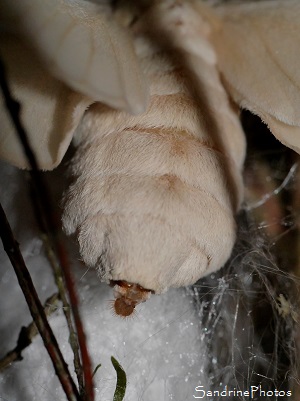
{"x":121,"y":380}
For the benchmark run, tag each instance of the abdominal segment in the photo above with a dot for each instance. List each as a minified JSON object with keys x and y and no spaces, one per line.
{"x":154,"y":197}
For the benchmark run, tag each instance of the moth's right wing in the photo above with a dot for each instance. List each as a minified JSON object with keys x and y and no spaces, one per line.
{"x":258,"y":50}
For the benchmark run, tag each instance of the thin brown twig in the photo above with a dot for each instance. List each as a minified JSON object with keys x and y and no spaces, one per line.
{"x":60,"y":283}
{"x":86,"y":362}
{"x":27,"y":334}
{"x":49,"y":221}
{"x":73,"y":338}
{"x":11,"y":247}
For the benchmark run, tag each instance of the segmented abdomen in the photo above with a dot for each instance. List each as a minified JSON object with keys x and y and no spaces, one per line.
{"x":155,"y":194}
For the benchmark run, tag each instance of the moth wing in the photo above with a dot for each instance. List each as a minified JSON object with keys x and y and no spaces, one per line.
{"x":50,"y":111}
{"x":258,"y":53}
{"x":84,"y":47}
{"x":78,"y":43}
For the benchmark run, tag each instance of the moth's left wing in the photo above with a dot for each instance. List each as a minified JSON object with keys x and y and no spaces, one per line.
{"x":258,"y":51}
{"x":50,"y":111}
{"x":82,"y":45}
{"x":74,"y":53}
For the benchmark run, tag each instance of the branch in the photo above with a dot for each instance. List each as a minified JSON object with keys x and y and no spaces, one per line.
{"x":51,"y":225}
{"x":73,"y":338}
{"x":36,"y":309}
{"x":26,"y":335}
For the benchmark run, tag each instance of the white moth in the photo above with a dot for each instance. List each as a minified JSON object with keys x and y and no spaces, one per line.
{"x":160,"y":148}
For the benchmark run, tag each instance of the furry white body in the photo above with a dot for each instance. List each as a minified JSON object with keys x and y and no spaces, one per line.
{"x":156,"y":194}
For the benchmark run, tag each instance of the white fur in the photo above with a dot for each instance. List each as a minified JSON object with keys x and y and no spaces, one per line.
{"x":156,"y":194}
